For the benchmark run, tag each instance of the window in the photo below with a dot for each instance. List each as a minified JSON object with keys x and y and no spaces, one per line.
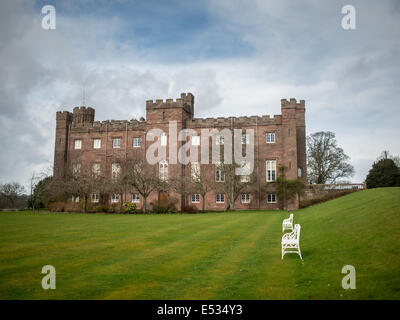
{"x":245,"y":198}
{"x":96,"y":169}
{"x":299,"y":172}
{"x":270,"y":166}
{"x":245,"y":138}
{"x":195,"y":171}
{"x":219,"y":198}
{"x":75,"y":199}
{"x":115,"y":198}
{"x":195,"y":140}
{"x":245,"y":167}
{"x":137,"y":142}
{"x":270,"y":137}
{"x":78,"y":144}
{"x":163,"y":170}
{"x":219,"y":140}
{"x":116,"y":142}
{"x":196,"y":198}
{"x":115,"y":170}
{"x":96,"y":143}
{"x":271,"y":198}
{"x":135,"y":197}
{"x":219,"y":174}
{"x":76,"y":168}
{"x":95,"y":197}
{"x":163,"y":139}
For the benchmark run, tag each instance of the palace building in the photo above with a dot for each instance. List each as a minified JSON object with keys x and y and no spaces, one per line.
{"x":278,"y":140}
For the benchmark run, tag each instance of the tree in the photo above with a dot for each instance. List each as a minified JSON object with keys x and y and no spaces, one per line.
{"x":143,"y":178}
{"x":384,"y":173}
{"x":233,"y":184}
{"x":386,"y":155}
{"x":11,"y":192}
{"x":286,"y":189}
{"x":326,"y":161}
{"x":82,"y":183}
{"x":40,"y":191}
{"x":201,"y":183}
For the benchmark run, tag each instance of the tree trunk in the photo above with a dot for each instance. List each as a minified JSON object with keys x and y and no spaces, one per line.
{"x":84,"y":203}
{"x":144,"y":204}
{"x":203,"y":205}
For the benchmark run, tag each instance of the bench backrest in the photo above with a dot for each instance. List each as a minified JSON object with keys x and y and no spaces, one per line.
{"x":296,"y":231}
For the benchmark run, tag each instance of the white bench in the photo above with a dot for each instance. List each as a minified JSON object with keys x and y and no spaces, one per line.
{"x":291,"y":242}
{"x":287,"y":224}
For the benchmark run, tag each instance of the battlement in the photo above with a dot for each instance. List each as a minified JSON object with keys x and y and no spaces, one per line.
{"x":186,"y":101}
{"x":236,"y":121}
{"x":64,"y":115}
{"x":292,"y":103}
{"x":83,"y":115}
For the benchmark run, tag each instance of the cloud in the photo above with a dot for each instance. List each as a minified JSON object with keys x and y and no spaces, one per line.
{"x":237,"y":58}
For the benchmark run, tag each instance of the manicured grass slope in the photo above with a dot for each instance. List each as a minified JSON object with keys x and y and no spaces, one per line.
{"x":206,"y":256}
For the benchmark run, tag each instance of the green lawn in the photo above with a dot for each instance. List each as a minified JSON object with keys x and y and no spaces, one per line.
{"x":206,"y":256}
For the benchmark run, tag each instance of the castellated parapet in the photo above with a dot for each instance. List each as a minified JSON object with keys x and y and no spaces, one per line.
{"x":292,"y":103}
{"x":186,"y":101}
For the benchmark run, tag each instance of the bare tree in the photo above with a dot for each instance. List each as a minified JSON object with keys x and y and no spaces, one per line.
{"x":143,"y":178}
{"x":11,"y":192}
{"x":233,"y":184}
{"x":326,"y":161}
{"x":201,"y":183}
{"x":82,"y":183}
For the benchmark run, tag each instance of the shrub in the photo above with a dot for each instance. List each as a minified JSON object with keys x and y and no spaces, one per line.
{"x":329,"y":196}
{"x":190,"y":209}
{"x":129,"y":207}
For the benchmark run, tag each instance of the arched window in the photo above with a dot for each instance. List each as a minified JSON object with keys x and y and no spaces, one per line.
{"x":163,"y":170}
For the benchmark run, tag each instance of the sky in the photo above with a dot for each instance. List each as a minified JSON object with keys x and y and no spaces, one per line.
{"x":238,"y":58}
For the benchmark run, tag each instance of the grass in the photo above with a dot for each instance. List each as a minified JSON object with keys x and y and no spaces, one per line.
{"x":206,"y":256}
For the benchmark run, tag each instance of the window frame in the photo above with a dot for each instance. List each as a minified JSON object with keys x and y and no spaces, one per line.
{"x":163,"y":170}
{"x":221,"y":196}
{"x":272,"y":176}
{"x":95,"y":198}
{"x":196,"y":198}
{"x":94,"y":143}
{"x":80,"y":144}
{"x":113,"y":142}
{"x":272,"y":195}
{"x":115,"y":198}
{"x":135,"y":200}
{"x":247,"y":198}
{"x":135,"y":139}
{"x":270,"y":135}
{"x":163,"y":139}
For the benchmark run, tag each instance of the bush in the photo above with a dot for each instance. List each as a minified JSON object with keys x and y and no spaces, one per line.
{"x":160,"y":209}
{"x":190,"y":209}
{"x":383,"y":173}
{"x":329,"y":196}
{"x":129,"y":207}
